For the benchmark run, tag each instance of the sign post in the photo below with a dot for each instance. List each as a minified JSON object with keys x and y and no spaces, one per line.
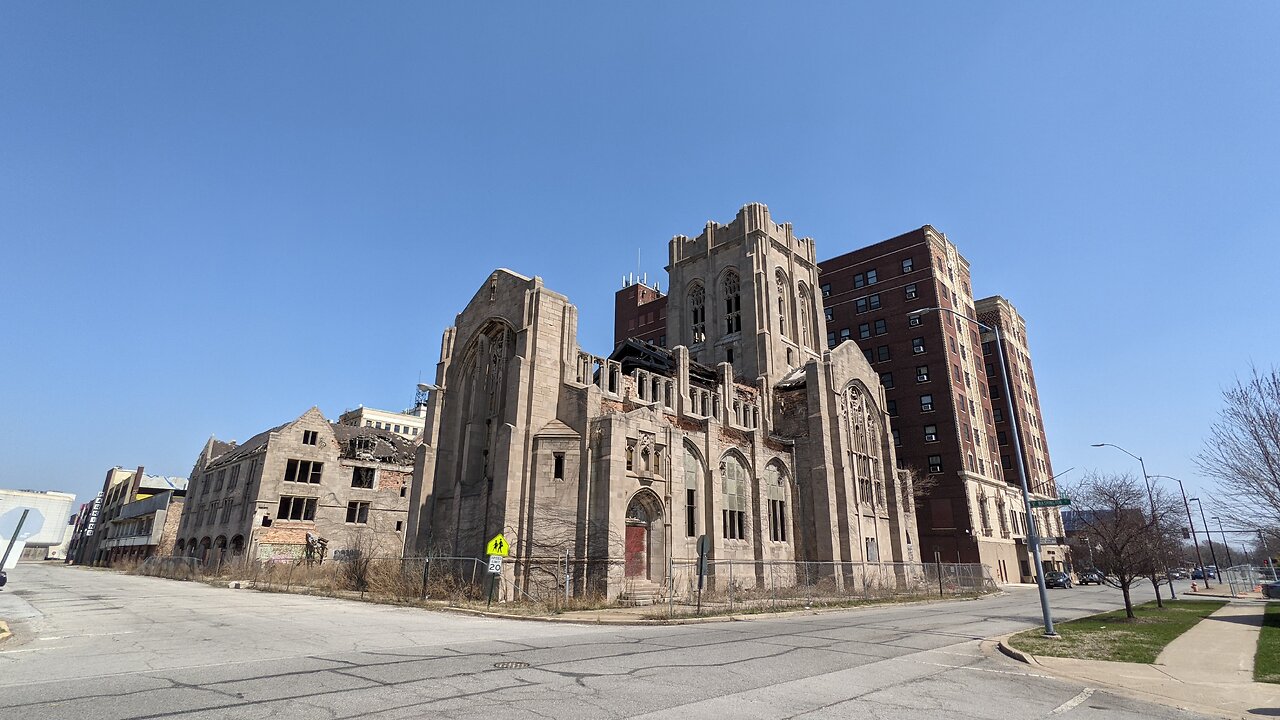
{"x":17,"y":531}
{"x":704,"y":546}
{"x":496,"y":549}
{"x":937,"y":560}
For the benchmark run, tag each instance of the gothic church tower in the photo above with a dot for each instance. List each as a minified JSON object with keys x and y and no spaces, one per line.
{"x":745,"y":294}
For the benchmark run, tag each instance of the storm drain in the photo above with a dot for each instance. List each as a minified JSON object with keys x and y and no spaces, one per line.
{"x":510,"y":665}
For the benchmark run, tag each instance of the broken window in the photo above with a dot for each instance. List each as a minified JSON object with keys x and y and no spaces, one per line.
{"x":732,"y":303}
{"x":309,"y":437}
{"x":358,"y":513}
{"x":362,"y":477}
{"x":362,"y":445}
{"x":235,"y":478}
{"x":296,"y":508}
{"x":303,"y":471}
{"x":804,"y":311}
{"x":784,"y":289}
{"x":698,"y":313}
{"x":736,"y":480}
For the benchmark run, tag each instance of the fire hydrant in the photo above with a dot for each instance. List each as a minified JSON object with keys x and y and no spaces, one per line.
{"x":1193,"y":586}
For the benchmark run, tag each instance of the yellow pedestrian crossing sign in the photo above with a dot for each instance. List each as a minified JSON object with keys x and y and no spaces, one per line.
{"x":497,"y":546}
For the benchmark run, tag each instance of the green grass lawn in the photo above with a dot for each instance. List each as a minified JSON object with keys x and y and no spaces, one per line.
{"x":1266,"y":665}
{"x":1111,"y":636}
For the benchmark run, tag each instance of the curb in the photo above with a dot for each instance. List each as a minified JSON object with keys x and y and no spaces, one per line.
{"x":695,"y":619}
{"x":1009,"y":651}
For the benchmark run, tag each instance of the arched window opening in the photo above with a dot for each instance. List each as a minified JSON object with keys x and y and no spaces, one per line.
{"x":775,"y":490}
{"x":692,"y":473}
{"x":780,"y":279}
{"x":804,"y":308}
{"x":698,"y":313}
{"x":732,"y":303}
{"x":734,"y":486}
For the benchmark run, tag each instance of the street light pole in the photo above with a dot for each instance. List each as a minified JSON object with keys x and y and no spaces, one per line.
{"x":1230,"y":562}
{"x":1213,"y":554}
{"x":1190,"y":522}
{"x":1155,"y":518}
{"x":1033,"y":535}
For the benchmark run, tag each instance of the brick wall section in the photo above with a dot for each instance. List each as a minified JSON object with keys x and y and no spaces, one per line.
{"x":169,"y":535}
{"x":640,"y":312}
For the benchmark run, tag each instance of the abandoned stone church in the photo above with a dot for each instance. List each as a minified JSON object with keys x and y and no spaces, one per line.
{"x":747,"y":430}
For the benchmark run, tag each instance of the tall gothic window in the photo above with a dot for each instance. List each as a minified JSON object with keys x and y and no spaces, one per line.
{"x":783,"y":291}
{"x":732,"y":303}
{"x":806,"y":314}
{"x":776,"y":491}
{"x":735,"y":484}
{"x":862,"y":433}
{"x":692,"y":473}
{"x":698,"y":313}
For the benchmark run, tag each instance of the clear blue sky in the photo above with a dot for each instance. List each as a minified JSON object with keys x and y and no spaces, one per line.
{"x":215,"y":215}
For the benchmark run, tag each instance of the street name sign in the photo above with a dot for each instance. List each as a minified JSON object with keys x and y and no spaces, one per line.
{"x":1047,"y":503}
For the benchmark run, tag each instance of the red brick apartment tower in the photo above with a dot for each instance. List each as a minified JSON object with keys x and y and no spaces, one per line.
{"x":996,"y":311}
{"x":939,"y":401}
{"x":639,"y":312}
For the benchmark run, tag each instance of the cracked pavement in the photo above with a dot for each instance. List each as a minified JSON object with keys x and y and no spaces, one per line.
{"x":90,"y":643}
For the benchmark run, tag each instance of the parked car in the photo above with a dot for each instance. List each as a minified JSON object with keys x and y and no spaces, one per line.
{"x":4,"y":579}
{"x":1198,"y":573}
{"x":1087,"y":577}
{"x":1178,"y":574}
{"x":1057,"y":579}
{"x":1271,"y":590}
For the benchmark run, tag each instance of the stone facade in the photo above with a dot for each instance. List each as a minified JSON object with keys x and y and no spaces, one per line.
{"x":309,"y":477}
{"x":747,"y":431}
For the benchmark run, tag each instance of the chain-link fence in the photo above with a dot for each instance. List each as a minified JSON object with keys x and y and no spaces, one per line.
{"x":452,"y":579}
{"x":565,"y":583}
{"x":1247,"y":578}
{"x":733,"y":586}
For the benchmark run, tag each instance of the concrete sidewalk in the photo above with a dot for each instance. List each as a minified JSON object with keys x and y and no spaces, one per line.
{"x":1209,"y":668}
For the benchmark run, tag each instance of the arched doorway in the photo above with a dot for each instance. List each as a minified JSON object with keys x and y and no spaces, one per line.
{"x":644,"y":516}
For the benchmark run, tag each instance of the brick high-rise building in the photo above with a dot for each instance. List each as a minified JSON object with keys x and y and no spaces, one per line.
{"x":940,"y":396}
{"x":998,"y":312}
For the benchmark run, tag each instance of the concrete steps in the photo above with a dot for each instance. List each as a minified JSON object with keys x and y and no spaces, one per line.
{"x":639,"y":591}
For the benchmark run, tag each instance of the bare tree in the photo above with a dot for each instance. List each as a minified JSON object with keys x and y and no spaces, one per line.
{"x":1113,"y":522}
{"x":916,"y":485}
{"x":1243,"y":453}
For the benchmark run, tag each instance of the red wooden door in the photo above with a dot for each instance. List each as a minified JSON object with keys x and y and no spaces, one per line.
{"x":636,"y":550}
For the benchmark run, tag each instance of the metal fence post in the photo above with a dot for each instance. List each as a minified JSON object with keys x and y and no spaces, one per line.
{"x":426,"y":573}
{"x":730,"y":586}
{"x":671,"y":586}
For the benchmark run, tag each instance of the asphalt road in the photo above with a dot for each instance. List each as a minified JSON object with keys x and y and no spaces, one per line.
{"x":99,"y":645}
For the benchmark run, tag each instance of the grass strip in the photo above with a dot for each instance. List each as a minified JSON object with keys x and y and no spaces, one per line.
{"x":1112,"y":636}
{"x":1266,"y":664}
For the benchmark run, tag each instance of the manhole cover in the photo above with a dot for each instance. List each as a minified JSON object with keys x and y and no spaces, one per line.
{"x":510,"y":665}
